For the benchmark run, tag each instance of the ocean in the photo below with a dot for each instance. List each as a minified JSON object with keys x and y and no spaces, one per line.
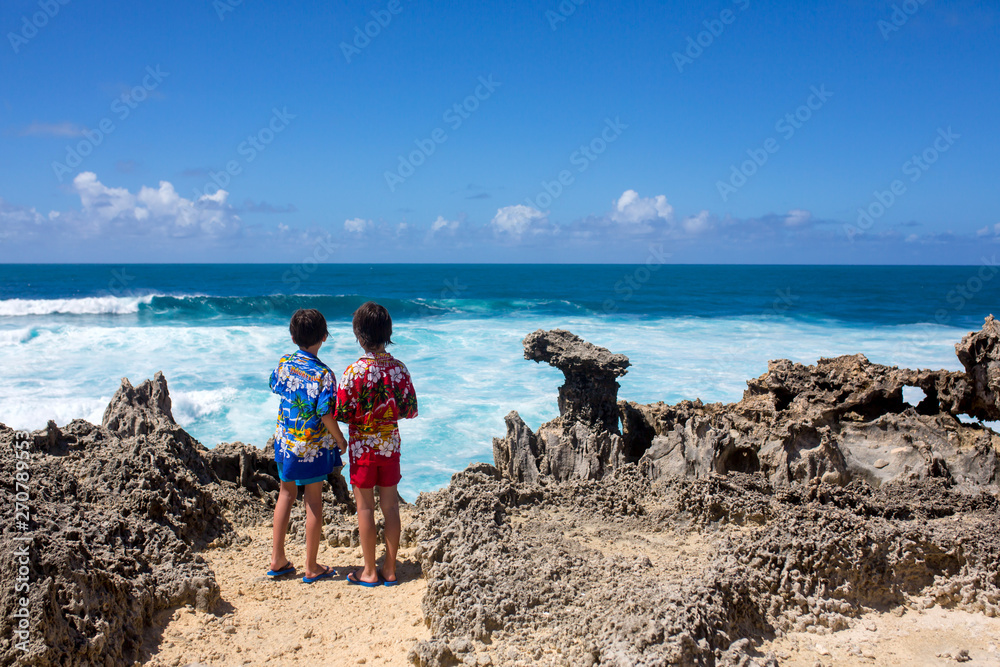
{"x":69,"y":333}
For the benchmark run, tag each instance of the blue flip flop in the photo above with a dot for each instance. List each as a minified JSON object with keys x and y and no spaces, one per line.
{"x":288,"y":569}
{"x":330,"y":572}
{"x":357,"y":582}
{"x":386,"y":582}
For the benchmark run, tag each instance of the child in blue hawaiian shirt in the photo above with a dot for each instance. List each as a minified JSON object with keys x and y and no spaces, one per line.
{"x":304,"y":439}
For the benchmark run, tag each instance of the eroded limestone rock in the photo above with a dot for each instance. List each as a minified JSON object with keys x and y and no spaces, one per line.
{"x":118,"y":514}
{"x":590,"y":394}
{"x":583,"y":442}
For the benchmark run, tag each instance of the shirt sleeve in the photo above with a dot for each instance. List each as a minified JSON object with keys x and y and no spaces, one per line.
{"x":406,"y":395}
{"x":347,"y":398}
{"x":326,"y":402}
{"x":274,"y":379}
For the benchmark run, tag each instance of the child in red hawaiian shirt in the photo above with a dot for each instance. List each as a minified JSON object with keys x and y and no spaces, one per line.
{"x":374,"y":393}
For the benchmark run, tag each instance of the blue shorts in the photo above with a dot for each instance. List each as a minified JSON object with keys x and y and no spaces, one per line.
{"x":302,"y":482}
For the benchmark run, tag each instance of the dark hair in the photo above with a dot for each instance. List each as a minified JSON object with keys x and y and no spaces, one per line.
{"x":308,"y":327}
{"x":372,"y":325}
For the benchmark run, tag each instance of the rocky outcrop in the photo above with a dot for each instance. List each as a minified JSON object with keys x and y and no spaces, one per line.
{"x":583,"y":442}
{"x":839,"y":420}
{"x":140,"y":410}
{"x":847,"y":499}
{"x":118,"y":514}
{"x":979,"y":353}
{"x":624,"y":571}
{"x":590,"y":394}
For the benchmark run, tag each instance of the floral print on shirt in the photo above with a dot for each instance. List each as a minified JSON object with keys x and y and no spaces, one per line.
{"x":375,"y":392}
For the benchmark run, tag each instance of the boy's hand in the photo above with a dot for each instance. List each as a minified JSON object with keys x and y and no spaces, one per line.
{"x":334,"y":428}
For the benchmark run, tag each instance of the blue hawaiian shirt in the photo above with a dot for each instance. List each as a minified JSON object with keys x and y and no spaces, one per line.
{"x":303,"y":448}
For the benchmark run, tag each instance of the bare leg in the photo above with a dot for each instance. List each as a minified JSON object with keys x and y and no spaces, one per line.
{"x":389,"y":500}
{"x":314,"y":527}
{"x":282,"y":510}
{"x":365,"y":498}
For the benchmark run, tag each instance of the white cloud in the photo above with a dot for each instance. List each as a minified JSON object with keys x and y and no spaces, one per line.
{"x":159,"y":210}
{"x":19,"y":220}
{"x":442,"y":224}
{"x":357,"y":225}
{"x":696,"y":224}
{"x":515,"y":220}
{"x":989,"y":231}
{"x":797,"y":217}
{"x":633,"y":209}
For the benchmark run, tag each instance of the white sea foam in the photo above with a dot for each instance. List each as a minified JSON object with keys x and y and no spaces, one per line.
{"x":93,"y":305}
{"x":189,"y":406}
{"x":17,"y":336}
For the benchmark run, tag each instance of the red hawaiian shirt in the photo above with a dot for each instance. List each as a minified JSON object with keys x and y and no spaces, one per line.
{"x":374,"y":394}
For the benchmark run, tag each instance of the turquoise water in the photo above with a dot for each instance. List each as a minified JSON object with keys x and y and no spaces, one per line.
{"x":68,"y":334}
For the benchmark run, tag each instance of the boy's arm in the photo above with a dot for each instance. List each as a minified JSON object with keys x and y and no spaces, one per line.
{"x":334,"y":428}
{"x":408,"y":404}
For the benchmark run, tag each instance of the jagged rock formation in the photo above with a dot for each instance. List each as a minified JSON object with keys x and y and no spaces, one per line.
{"x":583,"y":441}
{"x":138,"y":411}
{"x":117,"y":515}
{"x":585,"y":572}
{"x":979,"y":353}
{"x":590,"y":394}
{"x":848,"y":499}
{"x":840,"y":420}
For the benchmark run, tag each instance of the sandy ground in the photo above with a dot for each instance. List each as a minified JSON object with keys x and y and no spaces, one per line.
{"x":928,"y":637}
{"x":287,"y":622}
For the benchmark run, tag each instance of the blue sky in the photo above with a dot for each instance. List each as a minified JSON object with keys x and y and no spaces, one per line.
{"x":730,"y":131}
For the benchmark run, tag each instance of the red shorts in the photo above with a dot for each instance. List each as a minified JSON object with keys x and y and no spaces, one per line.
{"x":372,"y":469}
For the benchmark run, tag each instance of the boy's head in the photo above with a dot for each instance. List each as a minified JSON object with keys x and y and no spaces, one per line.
{"x":372,"y":326}
{"x":308,"y":327}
